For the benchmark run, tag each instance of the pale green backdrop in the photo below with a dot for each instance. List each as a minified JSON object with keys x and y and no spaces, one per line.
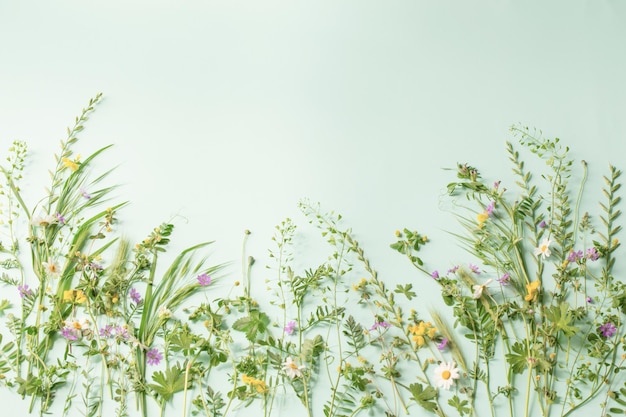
{"x":227,"y":113}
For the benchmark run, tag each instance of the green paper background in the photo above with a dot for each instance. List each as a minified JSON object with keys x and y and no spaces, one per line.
{"x":224,"y":114}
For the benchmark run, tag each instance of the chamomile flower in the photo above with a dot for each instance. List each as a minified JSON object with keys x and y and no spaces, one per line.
{"x":445,"y":374}
{"x":292,"y":369}
{"x":543,"y":249}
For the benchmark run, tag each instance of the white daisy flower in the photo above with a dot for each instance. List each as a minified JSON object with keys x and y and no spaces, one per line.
{"x":291,"y":369}
{"x":543,"y":249}
{"x":445,"y":374}
{"x":43,"y":221}
{"x":52,"y":268}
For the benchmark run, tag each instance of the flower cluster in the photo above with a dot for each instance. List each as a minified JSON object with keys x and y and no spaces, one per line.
{"x":538,"y":308}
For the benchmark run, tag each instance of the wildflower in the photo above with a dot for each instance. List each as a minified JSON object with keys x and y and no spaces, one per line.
{"x":164,"y":312}
{"x":122,"y":332}
{"x":589,"y":300}
{"x":135,"y":296}
{"x":43,"y":221}
{"x":442,"y":345}
{"x":445,"y":374}
{"x":543,"y":249}
{"x":69,"y":333}
{"x":68,"y":163}
{"x":478,"y":289}
{"x":290,"y":327}
{"x":575,"y":256}
{"x":378,"y":324}
{"x":474,"y":268}
{"x":482,"y":218}
{"x":84,"y":193}
{"x":153,"y":356}
{"x":60,"y":218}
{"x":260,"y":386}
{"x":504,"y":279}
{"x":74,"y":296}
{"x":533,"y":290}
{"x":435,"y":274}
{"x":490,"y":207}
{"x":51,"y":268}
{"x":592,"y":254}
{"x":95,"y":267}
{"x":608,"y":329}
{"x":291,"y":369}
{"x":204,"y":280}
{"x":543,"y":224}
{"x":453,"y":269}
{"x":107,"y":331}
{"x":24,"y":290}
{"x":496,"y":185}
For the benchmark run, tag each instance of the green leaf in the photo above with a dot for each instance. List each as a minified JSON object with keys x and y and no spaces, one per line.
{"x":406,"y":290}
{"x":256,"y":322}
{"x":424,"y":396}
{"x":561,"y":318}
{"x":169,"y":383}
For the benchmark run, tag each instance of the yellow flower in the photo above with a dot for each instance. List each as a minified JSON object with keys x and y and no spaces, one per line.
{"x":260,"y":386}
{"x":74,"y":296}
{"x":482,"y":218}
{"x":68,"y":163}
{"x":533,"y":290}
{"x":419,"y":340}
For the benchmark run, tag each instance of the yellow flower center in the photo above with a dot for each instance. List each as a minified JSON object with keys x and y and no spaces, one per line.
{"x":446,"y":374}
{"x":292,"y":365}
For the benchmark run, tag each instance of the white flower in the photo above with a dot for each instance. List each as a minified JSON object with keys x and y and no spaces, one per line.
{"x":291,"y":369}
{"x":52,"y":268}
{"x":164,"y":312}
{"x":478,"y":289}
{"x":543,"y":249}
{"x":445,"y":374}
{"x":43,"y":221}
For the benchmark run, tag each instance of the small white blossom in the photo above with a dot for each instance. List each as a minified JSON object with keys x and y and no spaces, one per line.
{"x":445,"y":374}
{"x":543,"y":249}
{"x":291,"y":369}
{"x":478,"y":289}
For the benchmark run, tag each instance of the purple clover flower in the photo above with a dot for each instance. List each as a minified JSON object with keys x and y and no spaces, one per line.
{"x":204,"y":280}
{"x":608,"y":329}
{"x":575,"y":256}
{"x":592,"y":254}
{"x":435,"y":274}
{"x":60,"y":218}
{"x":378,"y":324}
{"x":107,"y":331}
{"x":504,"y":279}
{"x":543,"y":224}
{"x":69,"y":334}
{"x":153,"y":356}
{"x":135,"y":296}
{"x":442,"y":345}
{"x":490,"y":207}
{"x":24,"y":290}
{"x":589,"y":300}
{"x":474,"y":268}
{"x":290,"y":327}
{"x":453,"y":269}
{"x":121,"y":332}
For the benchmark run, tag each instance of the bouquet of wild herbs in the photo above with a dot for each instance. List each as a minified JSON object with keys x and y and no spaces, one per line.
{"x":543,"y":306}
{"x":537,"y":311}
{"x":90,"y":301}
